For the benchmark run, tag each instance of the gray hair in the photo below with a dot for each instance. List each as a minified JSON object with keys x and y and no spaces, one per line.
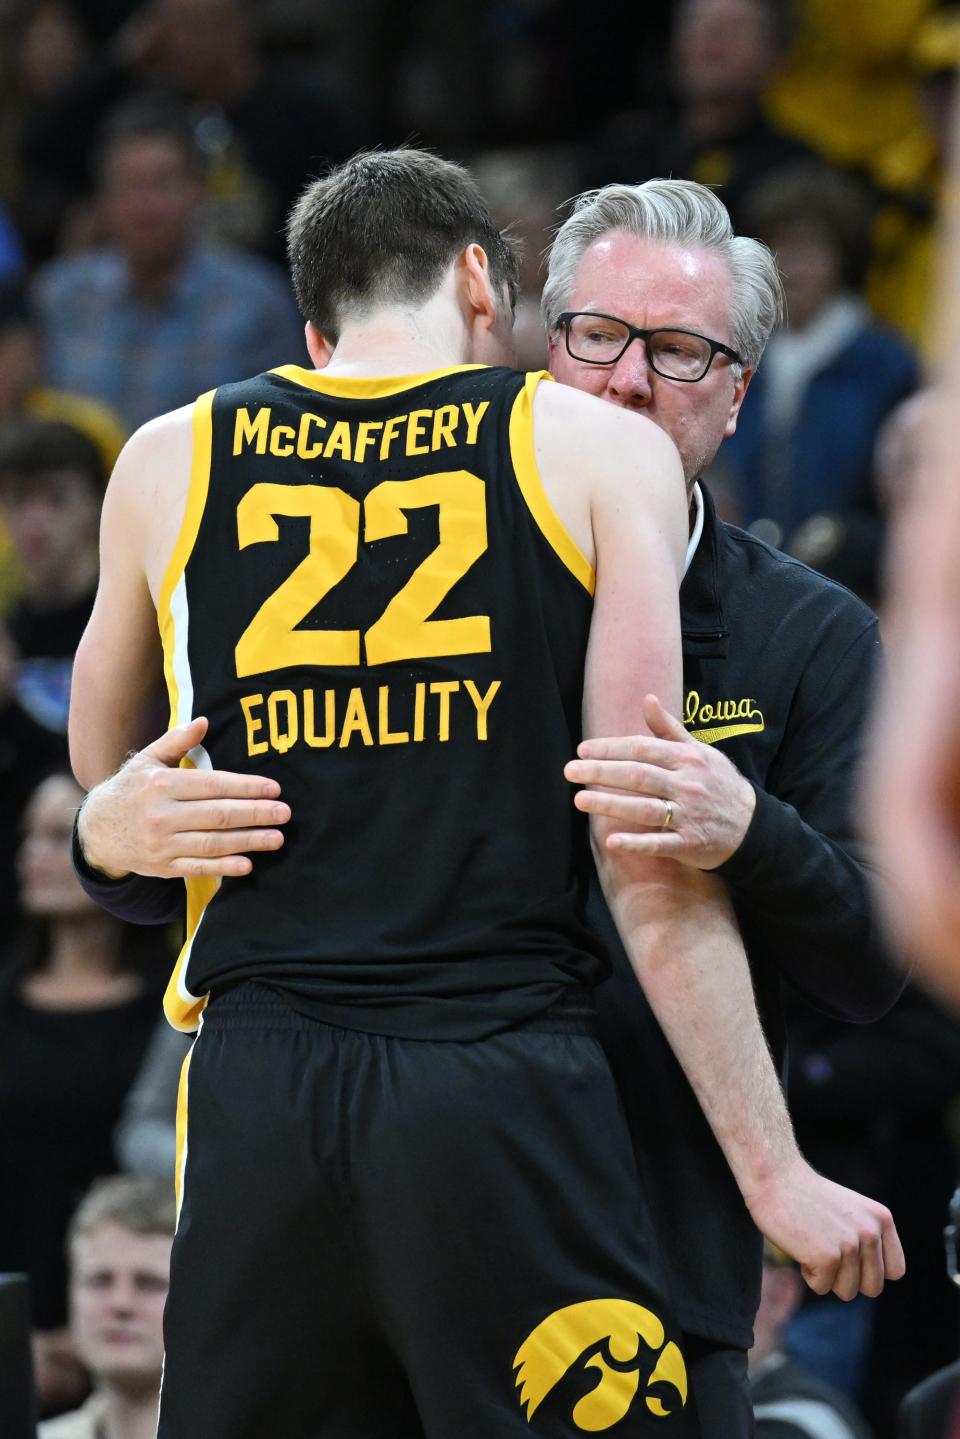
{"x":678,"y":212}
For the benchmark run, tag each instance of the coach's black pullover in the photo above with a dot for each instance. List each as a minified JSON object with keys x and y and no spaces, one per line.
{"x":779,"y":668}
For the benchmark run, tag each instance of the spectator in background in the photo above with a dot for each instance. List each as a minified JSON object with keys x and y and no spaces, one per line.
{"x":44,"y":47}
{"x":805,"y":439}
{"x":156,"y":316}
{"x":262,"y":131}
{"x":724,"y":53}
{"x":525,"y":189}
{"x":909,"y":176}
{"x":850,"y":548}
{"x":51,"y":486}
{"x":119,"y":1253}
{"x":843,"y":85}
{"x":24,"y":391}
{"x":79,"y":1002}
{"x":790,"y":1402}
{"x":24,"y":387}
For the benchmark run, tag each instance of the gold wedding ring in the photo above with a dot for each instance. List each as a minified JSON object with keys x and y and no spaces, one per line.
{"x":668,"y":817}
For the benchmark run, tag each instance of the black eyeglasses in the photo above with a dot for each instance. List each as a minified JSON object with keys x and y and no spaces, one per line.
{"x":682,"y":355}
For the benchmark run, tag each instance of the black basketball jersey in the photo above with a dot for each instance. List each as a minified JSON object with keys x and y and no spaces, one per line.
{"x":374,"y":602}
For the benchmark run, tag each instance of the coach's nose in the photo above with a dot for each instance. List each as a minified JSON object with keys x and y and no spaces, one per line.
{"x":631,"y":378}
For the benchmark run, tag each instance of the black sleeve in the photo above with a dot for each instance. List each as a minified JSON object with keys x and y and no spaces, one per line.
{"x":138,"y":899}
{"x":801,"y":879}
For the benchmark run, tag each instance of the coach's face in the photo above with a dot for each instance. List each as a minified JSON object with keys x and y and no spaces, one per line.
{"x":657,"y":285}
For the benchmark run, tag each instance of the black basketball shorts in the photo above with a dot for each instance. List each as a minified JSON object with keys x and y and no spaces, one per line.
{"x":387,"y":1238}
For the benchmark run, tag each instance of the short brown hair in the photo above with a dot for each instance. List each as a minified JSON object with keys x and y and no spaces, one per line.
{"x":383,"y":227}
{"x":142,"y":1203}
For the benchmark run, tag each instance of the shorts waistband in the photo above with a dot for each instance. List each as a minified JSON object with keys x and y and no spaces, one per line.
{"x":252,"y":1005}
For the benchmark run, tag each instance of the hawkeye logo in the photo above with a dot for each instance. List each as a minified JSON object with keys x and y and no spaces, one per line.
{"x":720,"y":719}
{"x":606,"y":1335}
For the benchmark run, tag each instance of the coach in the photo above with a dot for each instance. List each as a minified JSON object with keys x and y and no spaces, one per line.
{"x":653,"y":304}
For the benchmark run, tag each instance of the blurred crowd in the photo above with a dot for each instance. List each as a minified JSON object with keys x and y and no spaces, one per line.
{"x":149,"y":150}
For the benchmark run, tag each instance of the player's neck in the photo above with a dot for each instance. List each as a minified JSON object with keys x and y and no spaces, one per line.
{"x":402,"y":341}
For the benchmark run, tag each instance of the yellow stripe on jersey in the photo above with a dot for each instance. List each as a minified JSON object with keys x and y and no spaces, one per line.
{"x":181,"y":1150}
{"x":187,"y":538}
{"x":531,"y":486}
{"x":355,"y":388}
{"x":182,"y":1008}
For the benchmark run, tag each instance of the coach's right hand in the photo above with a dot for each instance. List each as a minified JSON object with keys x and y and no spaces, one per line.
{"x":154,"y":818}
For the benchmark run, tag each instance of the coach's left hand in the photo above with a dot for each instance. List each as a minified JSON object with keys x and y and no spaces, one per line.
{"x":153,"y":818}
{"x":710,"y":802}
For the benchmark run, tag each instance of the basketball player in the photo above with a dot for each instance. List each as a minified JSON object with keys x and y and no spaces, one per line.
{"x":375,"y":581}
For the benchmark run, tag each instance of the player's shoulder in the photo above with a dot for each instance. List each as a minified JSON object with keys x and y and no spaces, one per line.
{"x":562,"y":405}
{"x":609,"y":449}
{"x":158,"y":435}
{"x":148,"y":466}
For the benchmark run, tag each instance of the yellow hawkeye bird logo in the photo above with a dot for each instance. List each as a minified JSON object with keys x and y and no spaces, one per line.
{"x":613,"y":1331}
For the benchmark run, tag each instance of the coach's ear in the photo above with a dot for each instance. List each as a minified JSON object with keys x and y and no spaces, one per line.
{"x":740,"y":388}
{"x":319,"y":348}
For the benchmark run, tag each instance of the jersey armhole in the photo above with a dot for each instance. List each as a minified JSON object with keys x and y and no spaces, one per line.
{"x":527,"y":471}
{"x":171,"y":605}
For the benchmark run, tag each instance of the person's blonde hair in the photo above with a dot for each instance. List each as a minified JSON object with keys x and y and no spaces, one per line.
{"x":142,"y":1203}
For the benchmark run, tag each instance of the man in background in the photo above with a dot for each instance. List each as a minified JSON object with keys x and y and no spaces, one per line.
{"x":52,"y":479}
{"x":156,"y":315}
{"x":119,"y":1251}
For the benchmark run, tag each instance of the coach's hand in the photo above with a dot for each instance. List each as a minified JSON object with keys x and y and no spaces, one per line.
{"x":680,"y":798}
{"x":154,"y":818}
{"x":844,"y":1243}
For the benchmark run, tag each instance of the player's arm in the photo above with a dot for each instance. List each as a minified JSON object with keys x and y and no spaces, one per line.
{"x":149,"y":816}
{"x":799,"y":873}
{"x":118,"y":663}
{"x":676,"y":922}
